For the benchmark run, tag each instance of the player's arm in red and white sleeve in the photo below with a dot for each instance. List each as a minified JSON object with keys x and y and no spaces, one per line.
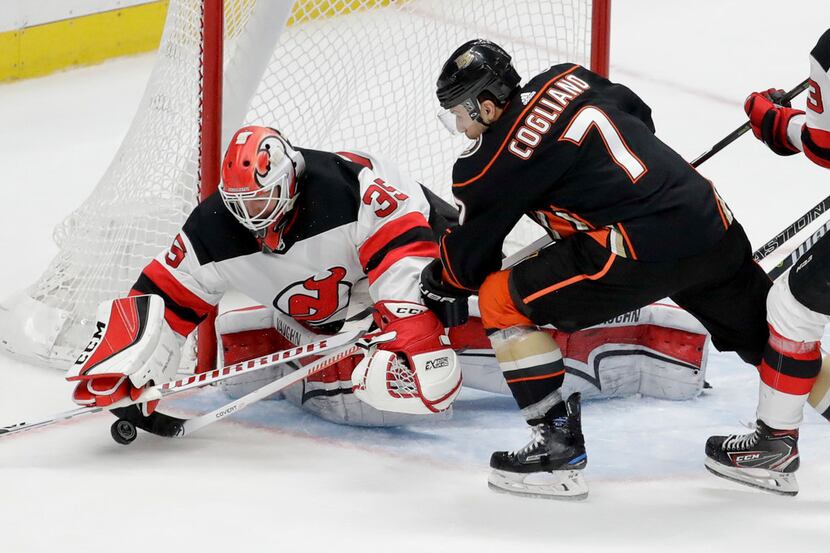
{"x":788,"y":131}
{"x":394,"y":239}
{"x":815,"y":134}
{"x":138,"y":339}
{"x":416,"y":372}
{"x":190,"y":288}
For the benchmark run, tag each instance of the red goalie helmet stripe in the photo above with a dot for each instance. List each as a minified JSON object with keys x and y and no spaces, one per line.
{"x":259,"y":177}
{"x":246,"y":157}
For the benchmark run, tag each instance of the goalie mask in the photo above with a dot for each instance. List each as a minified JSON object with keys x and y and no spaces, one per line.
{"x":259,"y":180}
{"x":476,"y":67}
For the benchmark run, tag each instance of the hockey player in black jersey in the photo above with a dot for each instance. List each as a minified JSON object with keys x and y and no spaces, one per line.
{"x":798,"y":308}
{"x":631,"y":220}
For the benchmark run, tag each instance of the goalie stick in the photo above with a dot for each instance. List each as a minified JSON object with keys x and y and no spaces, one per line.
{"x":123,"y":430}
{"x":200,"y":380}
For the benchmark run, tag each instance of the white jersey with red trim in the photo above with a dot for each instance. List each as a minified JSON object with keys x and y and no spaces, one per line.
{"x":356,"y":217}
{"x":810,"y":132}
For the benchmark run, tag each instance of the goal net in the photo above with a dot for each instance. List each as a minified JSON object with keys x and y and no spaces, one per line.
{"x":330,"y":74}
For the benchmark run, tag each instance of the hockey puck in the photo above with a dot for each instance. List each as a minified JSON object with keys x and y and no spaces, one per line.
{"x":123,"y":431}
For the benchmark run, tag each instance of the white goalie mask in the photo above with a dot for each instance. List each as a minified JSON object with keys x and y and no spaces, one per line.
{"x":259,"y":177}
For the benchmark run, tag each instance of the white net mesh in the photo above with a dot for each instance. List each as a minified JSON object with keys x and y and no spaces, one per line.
{"x":366,"y":80}
{"x":345,"y":74}
{"x":400,"y":379}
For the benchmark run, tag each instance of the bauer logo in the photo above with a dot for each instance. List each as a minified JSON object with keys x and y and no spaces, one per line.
{"x":438,"y":363}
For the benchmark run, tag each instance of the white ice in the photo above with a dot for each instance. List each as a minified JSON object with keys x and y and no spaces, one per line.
{"x":276,"y":479}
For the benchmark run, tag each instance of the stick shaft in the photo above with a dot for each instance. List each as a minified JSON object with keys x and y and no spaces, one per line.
{"x":734,"y":135}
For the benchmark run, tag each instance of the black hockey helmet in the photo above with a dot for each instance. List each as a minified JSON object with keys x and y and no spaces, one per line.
{"x":476,"y":67}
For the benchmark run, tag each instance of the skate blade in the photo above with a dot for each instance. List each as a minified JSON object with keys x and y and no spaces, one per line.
{"x":557,"y":484}
{"x":780,"y":483}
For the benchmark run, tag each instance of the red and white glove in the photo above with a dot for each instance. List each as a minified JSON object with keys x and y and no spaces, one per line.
{"x":769,"y":118}
{"x":132,"y":346}
{"x":417,"y":371}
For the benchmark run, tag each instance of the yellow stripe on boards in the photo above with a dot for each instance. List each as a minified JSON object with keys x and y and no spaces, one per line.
{"x":43,"y":49}
{"x":307,"y":10}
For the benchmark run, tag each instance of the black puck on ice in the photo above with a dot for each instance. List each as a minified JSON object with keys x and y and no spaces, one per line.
{"x":123,"y":431}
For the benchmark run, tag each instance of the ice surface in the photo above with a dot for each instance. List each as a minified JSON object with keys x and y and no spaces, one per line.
{"x":274,"y":478}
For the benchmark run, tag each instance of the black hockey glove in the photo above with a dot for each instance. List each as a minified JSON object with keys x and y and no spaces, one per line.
{"x":447,"y":302}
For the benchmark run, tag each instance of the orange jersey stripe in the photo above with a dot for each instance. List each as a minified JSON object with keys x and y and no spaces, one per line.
{"x":572,"y":280}
{"x":447,"y":273}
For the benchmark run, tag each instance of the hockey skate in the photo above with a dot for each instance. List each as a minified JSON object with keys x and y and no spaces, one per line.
{"x":765,"y":459}
{"x":550,"y":466}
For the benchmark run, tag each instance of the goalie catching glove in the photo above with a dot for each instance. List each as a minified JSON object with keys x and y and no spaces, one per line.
{"x":132,"y":347}
{"x":417,"y":371}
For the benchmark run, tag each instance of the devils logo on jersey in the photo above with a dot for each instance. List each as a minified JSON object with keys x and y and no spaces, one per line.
{"x":316,"y":299}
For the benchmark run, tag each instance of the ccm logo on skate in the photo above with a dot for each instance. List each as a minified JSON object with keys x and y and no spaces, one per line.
{"x":745,"y":458}
{"x":227,"y":411}
{"x":439,"y":363}
{"x":93,"y":343}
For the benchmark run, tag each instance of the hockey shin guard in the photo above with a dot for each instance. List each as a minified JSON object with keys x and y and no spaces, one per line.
{"x":532,"y":365}
{"x":788,"y":373}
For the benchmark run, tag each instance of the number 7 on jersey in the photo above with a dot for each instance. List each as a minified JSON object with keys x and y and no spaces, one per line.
{"x":592,"y":117}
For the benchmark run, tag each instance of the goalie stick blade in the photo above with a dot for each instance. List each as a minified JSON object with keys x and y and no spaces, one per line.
{"x":780,"y":483}
{"x":158,"y":423}
{"x":558,"y":484}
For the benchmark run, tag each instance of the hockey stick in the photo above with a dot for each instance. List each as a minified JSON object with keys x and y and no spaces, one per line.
{"x":199,"y":380}
{"x":820,"y":208}
{"x":515,"y":257}
{"x":188,"y":426}
{"x":793,"y":256}
{"x":734,"y":135}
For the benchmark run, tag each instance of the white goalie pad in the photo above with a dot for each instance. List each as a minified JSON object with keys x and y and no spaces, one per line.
{"x":384,"y":380}
{"x":658,"y":351}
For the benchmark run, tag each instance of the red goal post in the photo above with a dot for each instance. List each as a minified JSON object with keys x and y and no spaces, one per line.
{"x":331,"y":74}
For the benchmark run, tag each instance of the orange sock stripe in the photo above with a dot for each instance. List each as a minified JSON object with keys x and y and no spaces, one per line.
{"x":541,"y":377}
